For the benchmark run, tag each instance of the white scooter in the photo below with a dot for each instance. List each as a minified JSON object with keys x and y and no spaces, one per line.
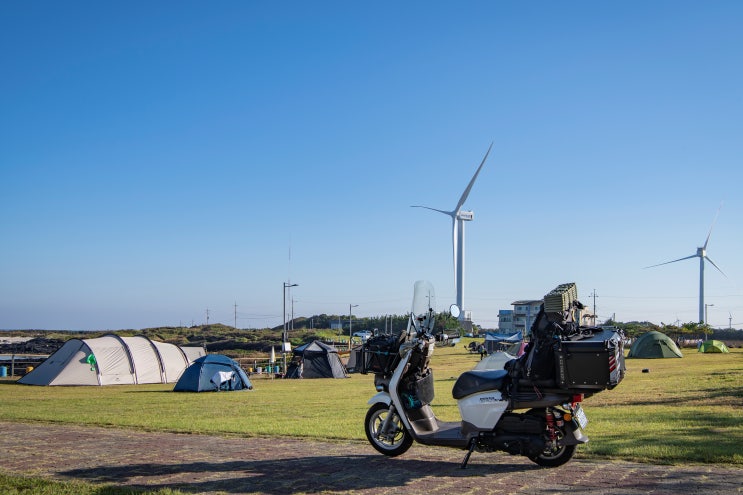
{"x":547,"y":432}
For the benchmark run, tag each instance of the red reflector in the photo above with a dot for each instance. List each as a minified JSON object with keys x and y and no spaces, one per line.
{"x":612,"y":363}
{"x":578,"y":398}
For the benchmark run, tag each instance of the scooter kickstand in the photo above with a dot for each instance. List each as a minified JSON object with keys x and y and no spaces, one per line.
{"x":466,"y":459}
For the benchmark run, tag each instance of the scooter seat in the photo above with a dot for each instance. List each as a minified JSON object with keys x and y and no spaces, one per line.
{"x":471,"y":382}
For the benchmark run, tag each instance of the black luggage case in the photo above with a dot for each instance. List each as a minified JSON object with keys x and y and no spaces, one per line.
{"x":592,"y":361}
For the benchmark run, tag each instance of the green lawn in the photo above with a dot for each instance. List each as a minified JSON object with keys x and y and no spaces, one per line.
{"x":683,"y":410}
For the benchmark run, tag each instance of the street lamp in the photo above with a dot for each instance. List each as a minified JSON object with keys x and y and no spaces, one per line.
{"x":284,"y":336}
{"x":705,"y":312}
{"x":350,"y":334}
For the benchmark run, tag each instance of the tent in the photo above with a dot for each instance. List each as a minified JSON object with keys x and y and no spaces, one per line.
{"x":213,"y":372}
{"x":517,"y":349}
{"x":353,"y":364}
{"x":654,"y":345}
{"x":713,"y":346}
{"x":113,"y":360}
{"x":495,"y":341}
{"x":316,"y":360}
{"x":495,"y":361}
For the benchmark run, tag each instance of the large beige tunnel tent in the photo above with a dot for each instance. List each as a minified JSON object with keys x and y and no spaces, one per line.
{"x":113,"y":360}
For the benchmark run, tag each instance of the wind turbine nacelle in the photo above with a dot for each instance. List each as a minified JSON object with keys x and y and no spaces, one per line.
{"x":467,"y":216}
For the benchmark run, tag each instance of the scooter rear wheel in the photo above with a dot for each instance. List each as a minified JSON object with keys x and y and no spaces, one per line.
{"x":553,"y":457}
{"x":393,"y":443}
{"x":556,"y":457}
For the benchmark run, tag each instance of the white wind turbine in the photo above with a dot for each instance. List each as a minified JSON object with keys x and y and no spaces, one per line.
{"x":702,"y":255}
{"x":458,"y":217}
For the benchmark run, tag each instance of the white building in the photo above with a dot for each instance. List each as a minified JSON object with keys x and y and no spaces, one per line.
{"x":505,"y":321}
{"x":524,"y":313}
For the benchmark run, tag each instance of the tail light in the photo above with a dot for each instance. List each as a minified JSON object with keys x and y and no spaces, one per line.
{"x":577,"y":398}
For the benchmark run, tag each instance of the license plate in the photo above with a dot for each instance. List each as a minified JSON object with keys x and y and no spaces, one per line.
{"x":580,"y":416}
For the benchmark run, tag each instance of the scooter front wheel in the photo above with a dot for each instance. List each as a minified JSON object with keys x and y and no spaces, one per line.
{"x":393,"y":442}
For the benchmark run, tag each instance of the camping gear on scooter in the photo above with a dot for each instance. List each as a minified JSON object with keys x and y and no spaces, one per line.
{"x":380,"y":354}
{"x":537,"y":364}
{"x":561,"y":298}
{"x":592,"y":359}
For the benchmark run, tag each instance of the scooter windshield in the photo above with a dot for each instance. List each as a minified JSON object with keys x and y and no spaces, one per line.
{"x":424,"y":306}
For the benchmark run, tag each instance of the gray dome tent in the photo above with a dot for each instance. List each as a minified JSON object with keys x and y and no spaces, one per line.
{"x":654,"y":345}
{"x":316,"y":360}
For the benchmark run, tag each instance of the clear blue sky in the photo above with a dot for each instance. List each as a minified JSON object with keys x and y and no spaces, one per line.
{"x":161,"y":158}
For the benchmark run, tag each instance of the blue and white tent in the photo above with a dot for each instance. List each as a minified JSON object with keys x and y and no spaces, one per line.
{"x":493,"y":339}
{"x":212,"y":373}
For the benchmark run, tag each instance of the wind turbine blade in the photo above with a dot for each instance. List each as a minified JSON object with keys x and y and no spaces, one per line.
{"x":713,"y":226}
{"x":718,"y":268}
{"x":472,"y":182}
{"x":674,"y":261}
{"x":450,"y":213}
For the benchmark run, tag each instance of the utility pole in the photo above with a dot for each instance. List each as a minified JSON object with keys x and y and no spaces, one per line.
{"x":284,"y":337}
{"x":594,"y":306}
{"x":235,"y":315}
{"x":350,"y":335}
{"x":207,"y":316}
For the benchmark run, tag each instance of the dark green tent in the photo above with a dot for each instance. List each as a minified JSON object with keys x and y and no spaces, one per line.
{"x":654,"y":345}
{"x":713,"y":346}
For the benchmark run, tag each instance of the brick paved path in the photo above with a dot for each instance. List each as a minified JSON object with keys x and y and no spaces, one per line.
{"x":211,"y":464}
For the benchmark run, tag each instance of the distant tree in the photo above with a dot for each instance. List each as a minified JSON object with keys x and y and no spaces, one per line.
{"x":446,"y":323}
{"x":636,"y":328}
{"x":727,"y":334}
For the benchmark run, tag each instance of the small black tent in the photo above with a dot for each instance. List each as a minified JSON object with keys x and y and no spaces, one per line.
{"x":213,"y":372}
{"x":316,"y":360}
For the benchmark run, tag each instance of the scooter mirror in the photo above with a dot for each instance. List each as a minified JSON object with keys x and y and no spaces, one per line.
{"x":454,"y":310}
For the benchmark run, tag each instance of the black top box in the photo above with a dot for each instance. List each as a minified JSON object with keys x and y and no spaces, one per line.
{"x":592,"y":360}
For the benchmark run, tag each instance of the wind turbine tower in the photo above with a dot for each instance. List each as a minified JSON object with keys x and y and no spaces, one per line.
{"x":458,"y":217}
{"x":702,"y":255}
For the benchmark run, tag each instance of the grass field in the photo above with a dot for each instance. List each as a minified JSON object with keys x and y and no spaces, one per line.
{"x":682,"y":410}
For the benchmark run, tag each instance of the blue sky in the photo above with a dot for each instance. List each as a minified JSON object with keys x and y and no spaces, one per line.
{"x":161,"y":158}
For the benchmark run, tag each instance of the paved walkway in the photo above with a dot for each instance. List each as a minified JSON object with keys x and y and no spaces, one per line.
{"x":211,"y":464}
